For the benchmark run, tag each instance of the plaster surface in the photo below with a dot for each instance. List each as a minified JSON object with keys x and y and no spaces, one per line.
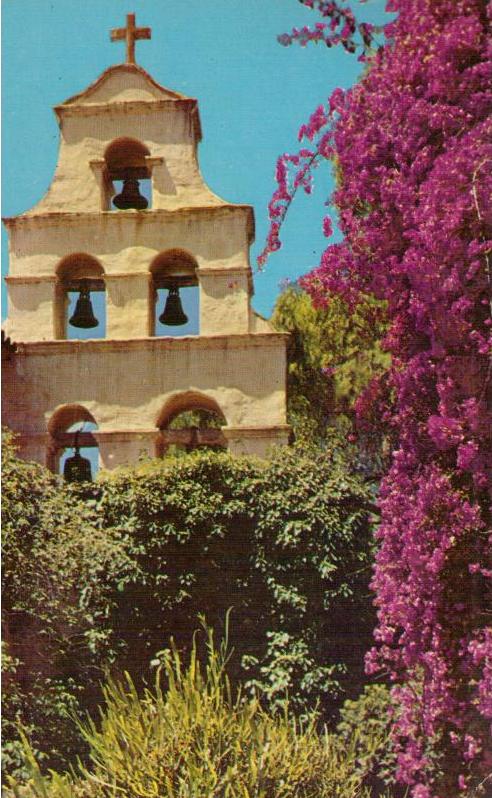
{"x":126,"y":381}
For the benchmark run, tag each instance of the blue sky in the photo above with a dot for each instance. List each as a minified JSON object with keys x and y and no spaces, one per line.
{"x":253,"y":96}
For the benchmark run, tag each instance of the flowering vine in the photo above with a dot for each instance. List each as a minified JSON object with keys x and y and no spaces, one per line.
{"x":343,"y":29}
{"x":412,"y":144}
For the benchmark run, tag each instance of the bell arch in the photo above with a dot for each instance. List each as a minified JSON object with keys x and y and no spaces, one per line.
{"x":128,"y":174}
{"x":174,"y":294}
{"x":189,"y":421}
{"x":79,"y":274}
{"x":71,"y":427}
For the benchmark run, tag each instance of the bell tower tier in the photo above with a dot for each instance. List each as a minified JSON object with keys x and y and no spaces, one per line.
{"x":128,"y":221}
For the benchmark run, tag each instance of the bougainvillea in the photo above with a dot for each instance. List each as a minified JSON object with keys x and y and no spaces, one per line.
{"x":413,"y":151}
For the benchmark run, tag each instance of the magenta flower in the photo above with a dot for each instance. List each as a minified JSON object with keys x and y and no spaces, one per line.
{"x":413,"y":147}
{"x":327,"y":227}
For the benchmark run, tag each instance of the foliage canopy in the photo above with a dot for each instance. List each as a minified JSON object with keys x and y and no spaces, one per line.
{"x":333,"y":354}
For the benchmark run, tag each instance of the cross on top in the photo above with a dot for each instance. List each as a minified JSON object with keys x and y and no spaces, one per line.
{"x":130,"y":34}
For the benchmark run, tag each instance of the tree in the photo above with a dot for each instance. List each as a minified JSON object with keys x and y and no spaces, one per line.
{"x":412,"y":149}
{"x":332,"y":356}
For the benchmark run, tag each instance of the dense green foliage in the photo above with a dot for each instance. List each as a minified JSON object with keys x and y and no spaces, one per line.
{"x":285,"y":543}
{"x":368,"y":719}
{"x":97,"y":577}
{"x":60,"y":569}
{"x":332,"y":354}
{"x":193,"y":735}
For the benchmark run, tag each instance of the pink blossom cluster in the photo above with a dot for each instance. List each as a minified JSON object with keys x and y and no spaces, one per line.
{"x":342,"y":28}
{"x":288,"y":183}
{"x":413,"y":147}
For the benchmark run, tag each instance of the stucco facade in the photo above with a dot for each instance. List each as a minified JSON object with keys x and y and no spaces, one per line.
{"x":125,"y":382}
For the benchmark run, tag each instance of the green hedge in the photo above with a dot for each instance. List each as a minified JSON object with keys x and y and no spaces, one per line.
{"x":97,"y":577}
{"x":285,"y":543}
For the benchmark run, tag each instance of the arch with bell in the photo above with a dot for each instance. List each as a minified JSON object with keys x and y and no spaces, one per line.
{"x":173,"y":285}
{"x":70,"y":430}
{"x":77,"y":277}
{"x":80,"y":296}
{"x":127,"y":171}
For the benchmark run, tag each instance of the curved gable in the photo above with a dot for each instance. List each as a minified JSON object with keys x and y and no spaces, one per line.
{"x":123,"y":83}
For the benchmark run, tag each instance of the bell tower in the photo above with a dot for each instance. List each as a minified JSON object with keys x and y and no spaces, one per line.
{"x":127,"y":227}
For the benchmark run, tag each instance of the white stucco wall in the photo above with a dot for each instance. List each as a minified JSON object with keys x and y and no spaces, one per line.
{"x":126,"y":385}
{"x":125,"y":380}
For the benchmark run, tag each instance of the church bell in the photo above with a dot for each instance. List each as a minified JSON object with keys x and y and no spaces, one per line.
{"x":173,"y":314}
{"x":83,"y":315}
{"x":130,"y":197}
{"x":77,"y":468}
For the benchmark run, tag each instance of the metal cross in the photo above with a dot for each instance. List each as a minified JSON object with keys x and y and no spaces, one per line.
{"x":130,"y":34}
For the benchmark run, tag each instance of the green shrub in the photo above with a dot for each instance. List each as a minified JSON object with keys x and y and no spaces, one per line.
{"x":60,"y":573}
{"x":286,"y":543}
{"x":197,"y":737}
{"x":370,"y":716}
{"x":43,"y":709}
{"x":98,"y":576}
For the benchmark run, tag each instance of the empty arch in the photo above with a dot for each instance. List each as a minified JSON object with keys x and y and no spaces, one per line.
{"x":188,"y":400}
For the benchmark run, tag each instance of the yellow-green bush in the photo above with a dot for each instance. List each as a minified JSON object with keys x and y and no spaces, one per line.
{"x":193,"y":737}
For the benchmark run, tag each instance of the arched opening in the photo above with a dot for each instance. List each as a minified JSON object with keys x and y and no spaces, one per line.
{"x":174,"y":294}
{"x":72,"y":441}
{"x":188,"y":422}
{"x":129,"y":174}
{"x":80,"y":301}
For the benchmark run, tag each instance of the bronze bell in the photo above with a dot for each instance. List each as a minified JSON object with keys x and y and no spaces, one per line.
{"x":83,"y":315}
{"x":77,"y":468}
{"x":173,"y":314}
{"x":130,"y":197}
